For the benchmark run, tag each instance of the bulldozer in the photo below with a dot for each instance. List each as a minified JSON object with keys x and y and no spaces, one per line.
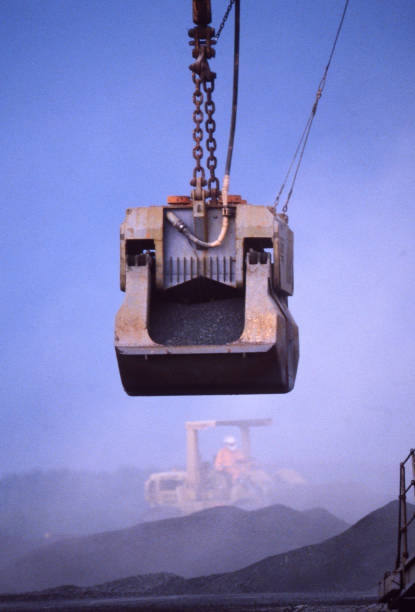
{"x":203,"y":486}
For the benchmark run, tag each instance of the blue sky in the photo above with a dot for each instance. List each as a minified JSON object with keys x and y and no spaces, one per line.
{"x":97,"y":117}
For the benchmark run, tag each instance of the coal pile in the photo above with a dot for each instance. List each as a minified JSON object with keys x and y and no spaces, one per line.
{"x":217,"y":540}
{"x":135,"y":594}
{"x":214,"y":322}
{"x":98,"y":596}
{"x":352,"y":561}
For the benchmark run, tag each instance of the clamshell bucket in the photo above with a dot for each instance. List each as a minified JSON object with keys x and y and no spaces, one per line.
{"x":204,"y":321}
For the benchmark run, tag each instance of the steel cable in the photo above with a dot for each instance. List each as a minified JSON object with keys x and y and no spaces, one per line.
{"x":306,"y":132}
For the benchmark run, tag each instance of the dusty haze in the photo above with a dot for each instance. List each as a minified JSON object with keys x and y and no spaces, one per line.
{"x":97,"y":118}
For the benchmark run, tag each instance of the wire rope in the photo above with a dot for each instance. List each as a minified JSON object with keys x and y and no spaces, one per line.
{"x":299,"y":152}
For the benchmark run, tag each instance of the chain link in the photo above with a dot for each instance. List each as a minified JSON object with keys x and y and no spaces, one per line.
{"x":210,"y":125}
{"x":197,"y":132}
{"x":204,"y":78}
{"x":225,"y":17}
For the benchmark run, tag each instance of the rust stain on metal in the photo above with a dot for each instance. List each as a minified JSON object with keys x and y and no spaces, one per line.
{"x":263,"y":359}
{"x":178,"y":200}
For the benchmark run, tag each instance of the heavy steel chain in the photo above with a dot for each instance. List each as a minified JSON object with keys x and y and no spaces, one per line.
{"x":198,"y":170}
{"x":210,"y":125}
{"x":203,"y":77}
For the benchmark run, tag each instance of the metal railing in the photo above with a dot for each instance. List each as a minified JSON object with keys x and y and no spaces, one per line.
{"x":402,"y":553}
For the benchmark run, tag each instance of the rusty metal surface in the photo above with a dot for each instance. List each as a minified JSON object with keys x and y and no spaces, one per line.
{"x":202,"y":43}
{"x":398,"y":586}
{"x":261,"y":357}
{"x":210,"y":126}
{"x":409,"y":578}
{"x":131,"y":322}
{"x":283,"y":256}
{"x":178,"y":200}
{"x":249,"y":221}
{"x":202,"y":13}
{"x":258,"y":362}
{"x":263,"y":319}
{"x":264,"y":325}
{"x":198,"y":170}
{"x":208,"y":374}
{"x":143,"y":223}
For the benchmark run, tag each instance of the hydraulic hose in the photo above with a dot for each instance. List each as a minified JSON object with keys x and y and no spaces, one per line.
{"x":225,"y":184}
{"x":180,"y":226}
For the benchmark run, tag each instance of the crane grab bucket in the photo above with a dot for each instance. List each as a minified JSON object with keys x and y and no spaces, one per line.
{"x":202,"y":321}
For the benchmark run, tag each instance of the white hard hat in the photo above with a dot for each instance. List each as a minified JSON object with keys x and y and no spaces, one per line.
{"x":229,"y":441}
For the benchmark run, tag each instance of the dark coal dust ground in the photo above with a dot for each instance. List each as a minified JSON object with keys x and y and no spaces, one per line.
{"x":281,"y":602}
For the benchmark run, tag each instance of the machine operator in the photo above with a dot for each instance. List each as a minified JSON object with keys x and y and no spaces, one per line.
{"x":230,"y":460}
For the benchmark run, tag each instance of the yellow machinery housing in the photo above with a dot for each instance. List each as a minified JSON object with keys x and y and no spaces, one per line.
{"x":206,"y":320}
{"x":200,"y":486}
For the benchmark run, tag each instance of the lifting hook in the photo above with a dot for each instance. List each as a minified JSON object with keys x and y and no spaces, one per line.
{"x":202,"y":68}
